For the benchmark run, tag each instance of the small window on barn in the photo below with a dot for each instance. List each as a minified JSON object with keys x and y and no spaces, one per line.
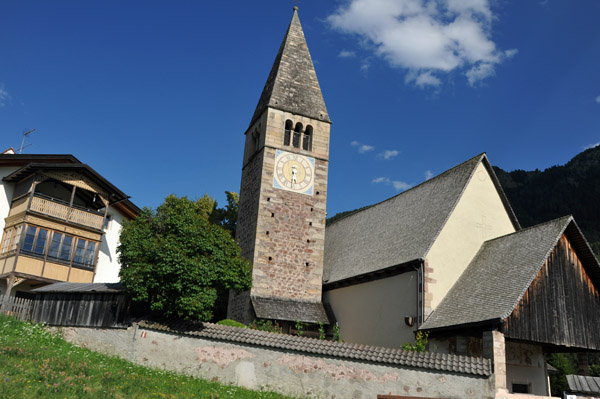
{"x":297,"y":134}
{"x":287,"y":134}
{"x":307,"y":138}
{"x":521,"y":388}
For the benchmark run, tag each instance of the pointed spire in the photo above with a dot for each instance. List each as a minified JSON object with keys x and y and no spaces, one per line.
{"x":292,"y":84}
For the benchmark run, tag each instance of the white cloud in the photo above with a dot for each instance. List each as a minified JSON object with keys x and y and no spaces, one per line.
{"x":398,"y":185}
{"x":3,"y":96}
{"x":362,"y":148}
{"x":423,"y":79}
{"x":598,"y":99}
{"x":479,"y":72}
{"x":426,"y":38}
{"x":346,"y":54}
{"x":388,"y":154}
{"x":428,"y":174}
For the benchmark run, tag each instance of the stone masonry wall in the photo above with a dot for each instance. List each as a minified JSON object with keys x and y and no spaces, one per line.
{"x":288,"y":257}
{"x":248,"y":206}
{"x":281,"y":232}
{"x":288,"y":372}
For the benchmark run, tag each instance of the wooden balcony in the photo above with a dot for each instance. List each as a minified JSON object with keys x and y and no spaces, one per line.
{"x":48,"y":206}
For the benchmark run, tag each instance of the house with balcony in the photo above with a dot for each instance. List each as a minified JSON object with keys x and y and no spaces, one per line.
{"x":60,"y":221}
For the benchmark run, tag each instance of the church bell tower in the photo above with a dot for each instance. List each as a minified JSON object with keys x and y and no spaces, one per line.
{"x":282,"y":209}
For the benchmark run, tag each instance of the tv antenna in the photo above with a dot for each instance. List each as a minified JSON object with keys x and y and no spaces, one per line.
{"x":27,"y":133}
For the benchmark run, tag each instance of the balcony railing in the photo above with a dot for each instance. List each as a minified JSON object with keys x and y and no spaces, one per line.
{"x":51,"y":207}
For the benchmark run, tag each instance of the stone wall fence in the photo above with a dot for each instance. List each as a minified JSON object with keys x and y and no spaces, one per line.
{"x":296,"y":366}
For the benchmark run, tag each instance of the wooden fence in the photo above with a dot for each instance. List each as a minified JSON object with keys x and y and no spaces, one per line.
{"x":19,"y":308}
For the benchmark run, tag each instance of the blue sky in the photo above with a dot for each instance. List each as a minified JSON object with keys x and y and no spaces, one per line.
{"x":156,"y":95}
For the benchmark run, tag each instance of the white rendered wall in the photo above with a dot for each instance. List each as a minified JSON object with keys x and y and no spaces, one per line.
{"x":6,"y":193}
{"x":107,"y":269}
{"x":373,"y":313}
{"x":525,"y":364}
{"x":479,"y":216}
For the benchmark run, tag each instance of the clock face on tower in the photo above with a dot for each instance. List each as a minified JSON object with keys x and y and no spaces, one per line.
{"x":294,"y":172}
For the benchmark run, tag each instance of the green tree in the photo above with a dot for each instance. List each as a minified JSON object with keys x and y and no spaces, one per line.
{"x":227,"y":217}
{"x":565,"y":363}
{"x":178,"y":262}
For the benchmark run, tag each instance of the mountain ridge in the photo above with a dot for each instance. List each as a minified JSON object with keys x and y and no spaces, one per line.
{"x":573,"y":188}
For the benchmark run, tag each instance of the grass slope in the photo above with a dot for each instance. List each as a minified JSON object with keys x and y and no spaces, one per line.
{"x":37,"y":364}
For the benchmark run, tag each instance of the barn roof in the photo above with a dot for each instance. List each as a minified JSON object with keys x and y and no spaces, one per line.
{"x":401,"y":229}
{"x":502,"y":271}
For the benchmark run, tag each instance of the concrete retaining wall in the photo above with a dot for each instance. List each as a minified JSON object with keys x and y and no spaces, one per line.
{"x":287,"y":372}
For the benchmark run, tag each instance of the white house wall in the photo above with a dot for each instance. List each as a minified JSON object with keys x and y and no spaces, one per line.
{"x":525,"y":364}
{"x":373,"y":312}
{"x":6,"y":193}
{"x":107,"y":270}
{"x":479,"y":216}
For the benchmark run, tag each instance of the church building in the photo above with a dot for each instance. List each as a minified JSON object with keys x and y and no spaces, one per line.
{"x":447,"y":258}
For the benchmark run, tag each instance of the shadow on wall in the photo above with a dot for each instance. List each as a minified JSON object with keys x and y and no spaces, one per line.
{"x":104,"y":248}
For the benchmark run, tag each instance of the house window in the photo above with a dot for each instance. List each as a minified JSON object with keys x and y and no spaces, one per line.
{"x":16,"y":239}
{"x":85,"y":252}
{"x":6,"y":241}
{"x":60,"y":247}
{"x":35,"y":241}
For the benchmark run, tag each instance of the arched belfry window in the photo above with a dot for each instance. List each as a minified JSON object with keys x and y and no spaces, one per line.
{"x":297,"y":135}
{"x":287,"y":134}
{"x":307,"y":138}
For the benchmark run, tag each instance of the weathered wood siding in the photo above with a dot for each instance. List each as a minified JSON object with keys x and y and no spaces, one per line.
{"x":561,"y":306}
{"x":82,"y":309}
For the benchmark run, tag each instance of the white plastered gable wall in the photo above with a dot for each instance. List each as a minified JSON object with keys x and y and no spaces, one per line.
{"x":6,"y":194}
{"x":107,"y":269}
{"x":479,"y":215}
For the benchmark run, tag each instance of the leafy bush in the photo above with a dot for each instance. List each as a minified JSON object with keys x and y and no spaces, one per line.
{"x":231,"y":323}
{"x":265,"y":325}
{"x":420,"y":344}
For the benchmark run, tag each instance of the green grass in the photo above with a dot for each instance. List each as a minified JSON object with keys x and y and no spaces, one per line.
{"x":37,"y":364}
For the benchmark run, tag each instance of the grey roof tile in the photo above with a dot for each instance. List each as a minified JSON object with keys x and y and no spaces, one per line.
{"x":81,"y":287}
{"x":501,"y":272}
{"x":433,"y":361}
{"x":583,"y":384}
{"x":279,"y":309}
{"x":292,"y":84}
{"x":400,"y":229}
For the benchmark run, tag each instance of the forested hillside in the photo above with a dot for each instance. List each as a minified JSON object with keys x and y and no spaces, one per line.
{"x":538,"y":196}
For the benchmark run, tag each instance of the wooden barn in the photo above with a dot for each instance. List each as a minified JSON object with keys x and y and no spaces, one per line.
{"x":103,"y":305}
{"x":525,"y":294}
